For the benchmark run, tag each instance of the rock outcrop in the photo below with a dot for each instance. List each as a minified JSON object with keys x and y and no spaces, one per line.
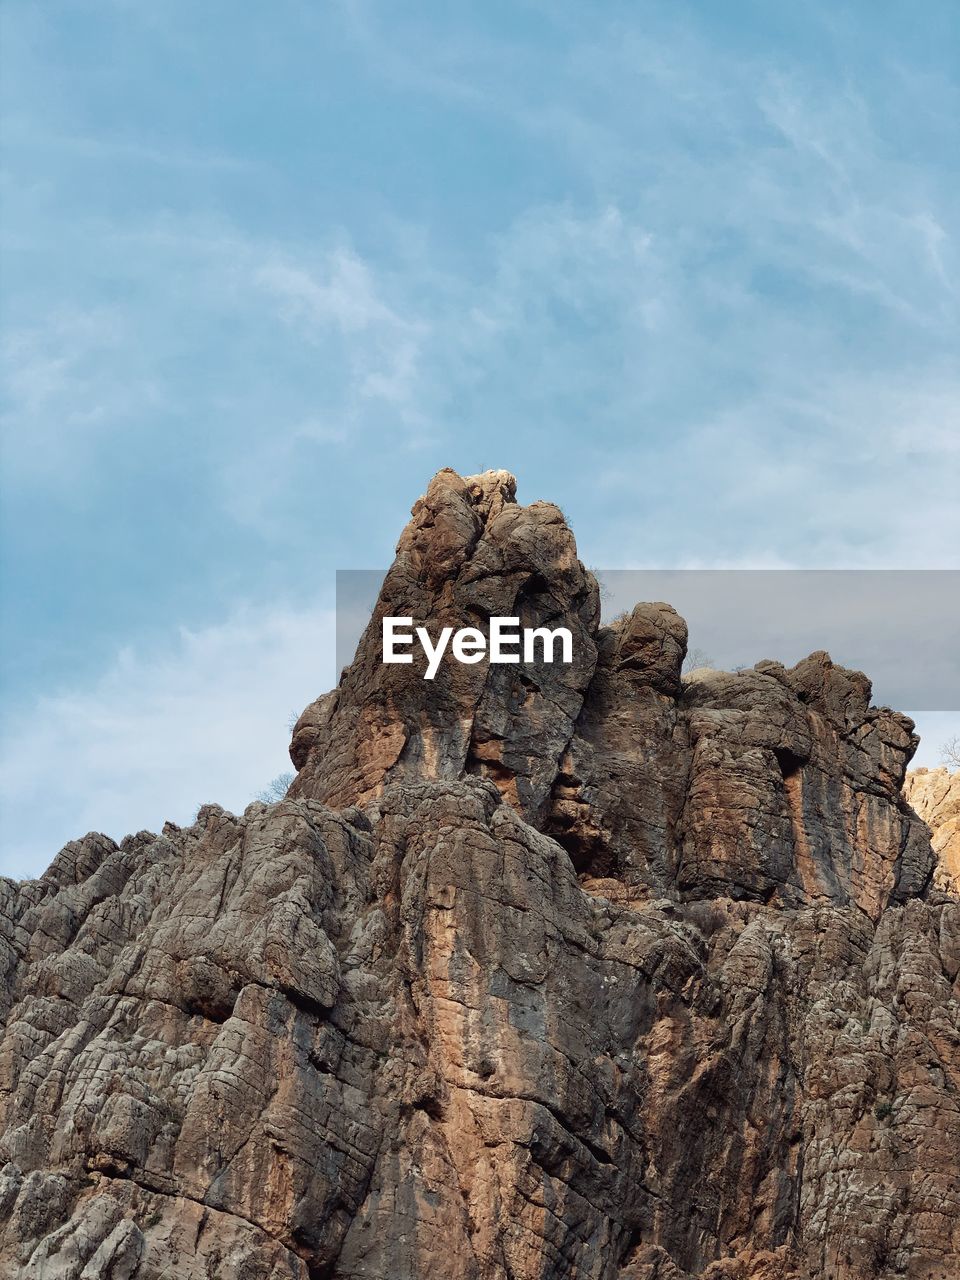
{"x":935,"y":795}
{"x":584,"y":971}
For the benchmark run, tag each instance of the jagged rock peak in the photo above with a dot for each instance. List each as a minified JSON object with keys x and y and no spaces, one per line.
{"x":603,"y":973}
{"x":773,"y":783}
{"x":469,"y":552}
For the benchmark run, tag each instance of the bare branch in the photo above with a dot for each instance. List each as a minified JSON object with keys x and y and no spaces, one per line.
{"x":277,"y":789}
{"x":697,"y":658}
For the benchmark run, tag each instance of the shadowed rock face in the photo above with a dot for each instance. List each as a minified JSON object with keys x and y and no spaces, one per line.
{"x":590,"y":971}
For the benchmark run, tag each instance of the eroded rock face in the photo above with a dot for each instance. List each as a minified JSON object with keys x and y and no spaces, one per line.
{"x":598,"y":972}
{"x":469,"y":553}
{"x":935,"y":795}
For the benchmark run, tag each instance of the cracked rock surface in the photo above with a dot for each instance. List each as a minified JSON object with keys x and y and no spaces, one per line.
{"x":935,"y":795}
{"x":591,"y":971}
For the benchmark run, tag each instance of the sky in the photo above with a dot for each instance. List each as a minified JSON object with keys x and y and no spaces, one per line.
{"x":688,"y":270}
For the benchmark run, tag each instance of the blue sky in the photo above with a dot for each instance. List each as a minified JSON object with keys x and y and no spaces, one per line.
{"x":689,"y":270}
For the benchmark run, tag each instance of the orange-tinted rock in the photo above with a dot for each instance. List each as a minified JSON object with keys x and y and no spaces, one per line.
{"x":598,"y":973}
{"x":935,"y":795}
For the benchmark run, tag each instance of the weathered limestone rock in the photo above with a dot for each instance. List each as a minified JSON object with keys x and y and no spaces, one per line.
{"x":469,"y":553}
{"x":935,"y":795}
{"x":599,"y":973}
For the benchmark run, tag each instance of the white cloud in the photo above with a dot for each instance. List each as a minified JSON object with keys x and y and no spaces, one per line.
{"x":346,"y":296}
{"x":68,"y":379}
{"x":384,"y":347}
{"x":202,"y":719}
{"x":849,"y":472}
{"x":20,"y":131}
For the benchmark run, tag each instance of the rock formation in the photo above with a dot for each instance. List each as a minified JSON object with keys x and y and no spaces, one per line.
{"x":935,"y":795}
{"x":590,"y":971}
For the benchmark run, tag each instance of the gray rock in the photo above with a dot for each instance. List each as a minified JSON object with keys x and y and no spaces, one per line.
{"x":595,"y":972}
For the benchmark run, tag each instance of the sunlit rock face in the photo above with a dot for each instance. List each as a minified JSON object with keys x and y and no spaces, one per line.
{"x":573,"y":970}
{"x":935,"y":795}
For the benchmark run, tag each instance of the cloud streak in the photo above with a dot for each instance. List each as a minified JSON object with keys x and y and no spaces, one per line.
{"x":201,"y":718}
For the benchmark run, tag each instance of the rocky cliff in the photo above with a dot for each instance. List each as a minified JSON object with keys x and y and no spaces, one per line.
{"x":584,"y":971}
{"x":935,"y":795}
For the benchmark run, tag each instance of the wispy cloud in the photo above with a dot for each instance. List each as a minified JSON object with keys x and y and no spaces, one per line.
{"x":202,"y":717}
{"x":22,"y":132}
{"x":68,"y":379}
{"x":345,"y":296}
